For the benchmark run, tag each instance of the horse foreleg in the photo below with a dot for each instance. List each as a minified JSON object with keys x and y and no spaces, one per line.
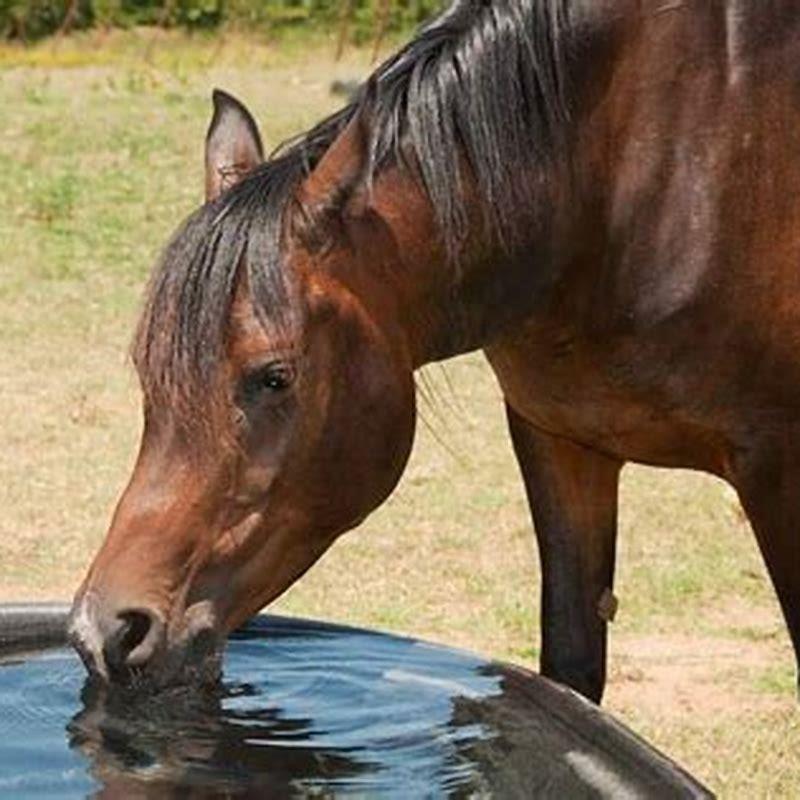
{"x":768,"y":481}
{"x":572,"y":491}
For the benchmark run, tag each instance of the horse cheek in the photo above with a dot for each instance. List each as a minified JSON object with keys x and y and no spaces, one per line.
{"x":372,"y":430}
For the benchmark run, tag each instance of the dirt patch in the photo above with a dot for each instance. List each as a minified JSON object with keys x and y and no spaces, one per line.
{"x":676,"y":675}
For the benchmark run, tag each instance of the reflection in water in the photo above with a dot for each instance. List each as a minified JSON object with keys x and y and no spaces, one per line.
{"x":317,"y":711}
{"x":186,"y":744}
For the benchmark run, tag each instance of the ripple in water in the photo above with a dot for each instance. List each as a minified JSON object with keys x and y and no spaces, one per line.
{"x":304,"y":710}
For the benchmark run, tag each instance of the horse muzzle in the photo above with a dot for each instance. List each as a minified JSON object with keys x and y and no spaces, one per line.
{"x":135,"y":646}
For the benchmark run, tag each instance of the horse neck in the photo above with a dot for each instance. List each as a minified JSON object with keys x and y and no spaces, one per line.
{"x":447,"y":305}
{"x":442,"y":305}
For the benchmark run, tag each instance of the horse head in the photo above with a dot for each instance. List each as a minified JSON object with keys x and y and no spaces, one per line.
{"x":278,"y":407}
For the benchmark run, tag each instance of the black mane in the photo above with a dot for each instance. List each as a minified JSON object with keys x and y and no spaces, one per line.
{"x":483,"y":85}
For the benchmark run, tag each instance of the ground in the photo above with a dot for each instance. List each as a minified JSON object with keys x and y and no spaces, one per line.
{"x":100,"y":158}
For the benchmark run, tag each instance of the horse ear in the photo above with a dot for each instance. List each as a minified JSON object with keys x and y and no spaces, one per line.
{"x":233,"y":144}
{"x":345,"y":162}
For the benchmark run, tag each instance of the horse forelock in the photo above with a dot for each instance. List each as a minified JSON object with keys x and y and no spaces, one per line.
{"x":482,"y":86}
{"x":181,"y":340}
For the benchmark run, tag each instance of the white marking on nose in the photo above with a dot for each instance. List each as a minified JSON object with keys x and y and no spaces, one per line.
{"x":84,"y":627}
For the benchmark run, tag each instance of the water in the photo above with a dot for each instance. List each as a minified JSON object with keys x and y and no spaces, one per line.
{"x":305,"y":710}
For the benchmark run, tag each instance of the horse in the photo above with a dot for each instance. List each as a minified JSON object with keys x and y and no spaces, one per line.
{"x":602,"y":196}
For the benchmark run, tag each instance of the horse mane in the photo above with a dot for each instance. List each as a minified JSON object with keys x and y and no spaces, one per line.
{"x":481,"y":88}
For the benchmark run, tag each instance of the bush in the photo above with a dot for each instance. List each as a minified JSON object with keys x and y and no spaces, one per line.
{"x":31,"y":19}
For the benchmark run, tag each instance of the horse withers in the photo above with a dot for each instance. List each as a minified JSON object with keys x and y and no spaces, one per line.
{"x":603,"y":196}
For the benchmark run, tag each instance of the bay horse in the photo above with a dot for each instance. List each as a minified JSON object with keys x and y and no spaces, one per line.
{"x":602,"y":195}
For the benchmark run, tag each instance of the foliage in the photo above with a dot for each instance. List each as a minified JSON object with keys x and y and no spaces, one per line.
{"x":32,"y":19}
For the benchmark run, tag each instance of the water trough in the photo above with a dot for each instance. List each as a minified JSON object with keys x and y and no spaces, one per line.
{"x":312,"y":709}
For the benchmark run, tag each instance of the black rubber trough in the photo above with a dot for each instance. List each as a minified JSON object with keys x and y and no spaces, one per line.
{"x":310,"y":708}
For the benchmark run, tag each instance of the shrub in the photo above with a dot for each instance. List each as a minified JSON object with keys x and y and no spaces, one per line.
{"x":31,"y":19}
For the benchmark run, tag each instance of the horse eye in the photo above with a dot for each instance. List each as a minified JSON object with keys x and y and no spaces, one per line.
{"x":274,"y":378}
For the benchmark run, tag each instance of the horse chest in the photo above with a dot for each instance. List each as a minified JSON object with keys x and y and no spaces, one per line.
{"x":624,"y":401}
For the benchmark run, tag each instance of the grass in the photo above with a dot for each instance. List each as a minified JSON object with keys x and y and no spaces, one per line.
{"x":100,"y":157}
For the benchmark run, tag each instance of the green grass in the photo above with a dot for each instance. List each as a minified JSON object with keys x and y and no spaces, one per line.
{"x":100,"y":158}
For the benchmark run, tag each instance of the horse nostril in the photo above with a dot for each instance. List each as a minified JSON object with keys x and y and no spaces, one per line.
{"x":135,"y":640}
{"x":137,"y":627}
